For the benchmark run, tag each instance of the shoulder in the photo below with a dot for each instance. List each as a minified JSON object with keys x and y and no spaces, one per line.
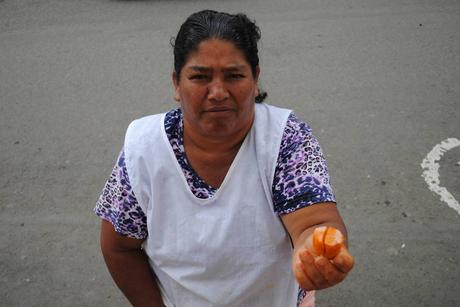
{"x":300,"y":148}
{"x":271,"y":111}
{"x":296,"y":125}
{"x":145,"y":128}
{"x":296,"y":135}
{"x":269,"y":123}
{"x":118,"y":204}
{"x":145,"y":122}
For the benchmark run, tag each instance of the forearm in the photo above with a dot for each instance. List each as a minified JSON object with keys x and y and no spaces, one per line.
{"x":302,"y":223}
{"x":132,"y":273}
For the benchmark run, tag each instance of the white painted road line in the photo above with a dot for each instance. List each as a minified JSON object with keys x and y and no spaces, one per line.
{"x":431,"y":171}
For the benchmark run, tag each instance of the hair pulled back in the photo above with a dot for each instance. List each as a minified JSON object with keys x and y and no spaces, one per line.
{"x":208,"y":24}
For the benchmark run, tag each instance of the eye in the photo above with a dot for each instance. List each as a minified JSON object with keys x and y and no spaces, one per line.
{"x":235,"y":76}
{"x":199,"y":77}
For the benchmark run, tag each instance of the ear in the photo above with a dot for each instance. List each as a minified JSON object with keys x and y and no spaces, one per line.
{"x":256,"y":79}
{"x":176,"y":87}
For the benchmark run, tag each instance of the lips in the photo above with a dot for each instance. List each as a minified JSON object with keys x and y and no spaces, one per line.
{"x":219,"y":109}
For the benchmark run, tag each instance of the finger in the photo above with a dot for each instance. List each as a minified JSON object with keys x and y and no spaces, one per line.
{"x":329,"y":271}
{"x":302,"y":278}
{"x":310,"y":269}
{"x":344,"y":261}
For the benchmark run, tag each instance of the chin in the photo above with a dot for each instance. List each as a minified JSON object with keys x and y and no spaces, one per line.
{"x":219,"y":129}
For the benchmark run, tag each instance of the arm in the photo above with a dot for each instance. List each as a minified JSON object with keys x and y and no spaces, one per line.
{"x":129,"y":267}
{"x":313,"y":271}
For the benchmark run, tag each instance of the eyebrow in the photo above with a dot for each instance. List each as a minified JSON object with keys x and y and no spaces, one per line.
{"x":198,"y":68}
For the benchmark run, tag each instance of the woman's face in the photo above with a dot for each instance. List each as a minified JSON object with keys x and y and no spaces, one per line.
{"x":216,"y":90}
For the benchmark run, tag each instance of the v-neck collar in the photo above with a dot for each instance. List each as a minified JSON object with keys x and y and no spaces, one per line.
{"x":179,"y":135}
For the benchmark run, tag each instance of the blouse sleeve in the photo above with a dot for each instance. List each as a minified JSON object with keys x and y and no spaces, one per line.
{"x":301,"y":176}
{"x":118,"y":204}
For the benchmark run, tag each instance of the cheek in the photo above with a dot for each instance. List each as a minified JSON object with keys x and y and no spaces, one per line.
{"x":197,"y":92}
{"x":191,"y":101}
{"x":197,"y":95}
{"x":192,"y":95}
{"x":246,"y":93}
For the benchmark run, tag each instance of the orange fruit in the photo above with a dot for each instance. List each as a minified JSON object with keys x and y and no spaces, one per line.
{"x":318,"y":240}
{"x":333,"y":241}
{"x":327,"y":241}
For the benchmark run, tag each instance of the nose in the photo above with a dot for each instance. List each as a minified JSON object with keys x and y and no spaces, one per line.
{"x":217,"y":91}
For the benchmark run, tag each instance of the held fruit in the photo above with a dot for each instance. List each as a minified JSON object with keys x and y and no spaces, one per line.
{"x":318,"y":240}
{"x":333,"y":242}
{"x":327,"y":241}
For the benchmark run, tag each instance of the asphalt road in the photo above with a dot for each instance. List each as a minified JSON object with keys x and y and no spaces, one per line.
{"x":378,"y":81}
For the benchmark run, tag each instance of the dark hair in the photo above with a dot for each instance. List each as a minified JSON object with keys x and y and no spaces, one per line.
{"x":207,"y":24}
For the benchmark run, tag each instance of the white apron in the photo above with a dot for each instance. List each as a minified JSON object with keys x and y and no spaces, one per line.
{"x":228,"y":250}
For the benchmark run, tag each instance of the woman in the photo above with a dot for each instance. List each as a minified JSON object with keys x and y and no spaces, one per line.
{"x":215,"y":203}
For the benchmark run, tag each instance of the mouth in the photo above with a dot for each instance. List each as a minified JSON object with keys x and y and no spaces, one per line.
{"x":218,"y":110}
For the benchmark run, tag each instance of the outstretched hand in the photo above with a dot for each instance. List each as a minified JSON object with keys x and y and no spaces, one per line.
{"x":323,"y":260}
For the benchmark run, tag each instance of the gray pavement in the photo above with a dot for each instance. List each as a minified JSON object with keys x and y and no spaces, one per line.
{"x":378,"y":81}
